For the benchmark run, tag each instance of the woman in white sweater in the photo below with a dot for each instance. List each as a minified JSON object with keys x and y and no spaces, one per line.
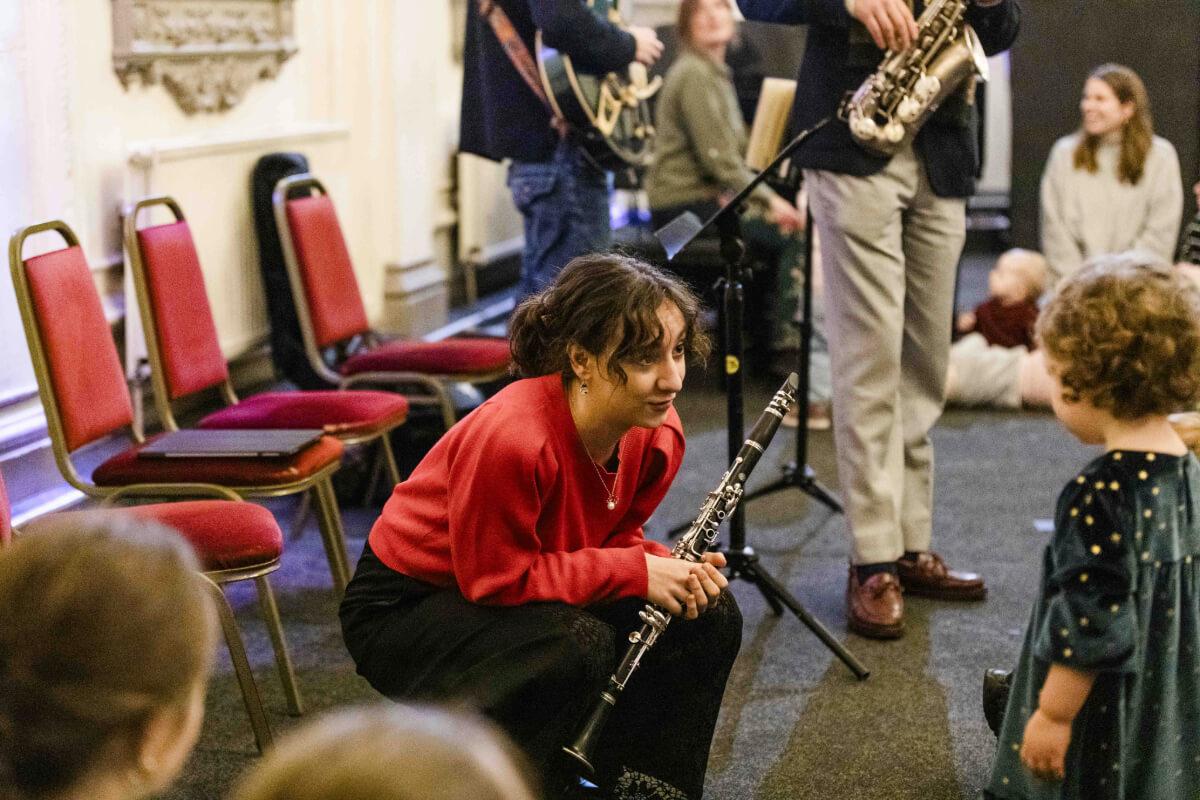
{"x":1112,"y":185}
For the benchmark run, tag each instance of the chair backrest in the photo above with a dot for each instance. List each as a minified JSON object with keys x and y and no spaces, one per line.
{"x":74,"y":356}
{"x":334,"y":303}
{"x":181,"y":336}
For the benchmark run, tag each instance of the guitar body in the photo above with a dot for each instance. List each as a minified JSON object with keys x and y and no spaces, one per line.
{"x":609,"y":114}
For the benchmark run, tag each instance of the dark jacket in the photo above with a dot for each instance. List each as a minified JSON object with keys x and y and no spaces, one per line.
{"x":501,"y":116}
{"x":839,"y":55}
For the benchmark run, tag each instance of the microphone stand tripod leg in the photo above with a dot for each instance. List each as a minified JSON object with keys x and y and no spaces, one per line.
{"x":748,"y":568}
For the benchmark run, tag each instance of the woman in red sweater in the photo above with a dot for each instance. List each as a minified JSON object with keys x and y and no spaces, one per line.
{"x":508,"y":570}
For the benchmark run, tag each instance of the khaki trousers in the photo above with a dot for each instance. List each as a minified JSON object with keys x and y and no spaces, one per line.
{"x":890,"y":248}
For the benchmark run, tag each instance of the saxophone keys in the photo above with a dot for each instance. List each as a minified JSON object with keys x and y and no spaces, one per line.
{"x":908,"y":110}
{"x":864,"y":127}
{"x":926,"y":88}
{"x":893,"y":132}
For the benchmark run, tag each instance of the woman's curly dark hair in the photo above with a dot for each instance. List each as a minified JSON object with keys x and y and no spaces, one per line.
{"x":606,"y":303}
{"x":1124,"y":335}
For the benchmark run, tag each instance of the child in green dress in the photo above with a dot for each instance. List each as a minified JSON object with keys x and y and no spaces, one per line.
{"x":1105,"y":700}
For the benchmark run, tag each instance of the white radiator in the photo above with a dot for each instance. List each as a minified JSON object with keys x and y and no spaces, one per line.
{"x":489,"y":226}
{"x":210,"y":177}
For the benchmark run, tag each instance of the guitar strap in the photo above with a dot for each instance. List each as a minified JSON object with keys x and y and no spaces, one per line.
{"x":521,"y":58}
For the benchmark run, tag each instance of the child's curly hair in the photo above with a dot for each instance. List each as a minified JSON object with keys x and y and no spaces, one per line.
{"x":1124,"y":335}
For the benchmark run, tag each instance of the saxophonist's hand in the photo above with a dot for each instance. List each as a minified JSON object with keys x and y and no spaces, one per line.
{"x":890,"y":22}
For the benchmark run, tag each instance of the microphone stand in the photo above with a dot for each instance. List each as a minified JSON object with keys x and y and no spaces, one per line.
{"x":797,"y":474}
{"x":743,"y":562}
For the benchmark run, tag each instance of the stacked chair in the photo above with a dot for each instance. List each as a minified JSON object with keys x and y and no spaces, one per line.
{"x":340,"y":345}
{"x":185,"y":353}
{"x":83,"y":390}
{"x":234,"y":541}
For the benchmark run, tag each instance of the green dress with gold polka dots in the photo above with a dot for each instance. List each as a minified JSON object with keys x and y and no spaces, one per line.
{"x":1120,"y":596}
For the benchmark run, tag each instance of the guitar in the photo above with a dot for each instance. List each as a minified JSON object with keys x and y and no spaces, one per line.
{"x":610,"y":113}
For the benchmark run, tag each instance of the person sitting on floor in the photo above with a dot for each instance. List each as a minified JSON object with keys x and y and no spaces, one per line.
{"x":390,"y":753}
{"x":1011,"y":377}
{"x":1007,"y":317}
{"x":988,"y":363}
{"x":1112,"y":185}
{"x":106,"y":645}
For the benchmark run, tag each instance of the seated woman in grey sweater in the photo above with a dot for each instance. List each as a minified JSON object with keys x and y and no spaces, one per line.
{"x":1112,"y":185}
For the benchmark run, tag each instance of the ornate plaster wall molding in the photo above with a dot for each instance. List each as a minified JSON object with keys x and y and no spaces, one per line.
{"x":206,"y":53}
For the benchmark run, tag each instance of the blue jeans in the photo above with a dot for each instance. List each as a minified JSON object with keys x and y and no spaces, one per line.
{"x":565,"y":205}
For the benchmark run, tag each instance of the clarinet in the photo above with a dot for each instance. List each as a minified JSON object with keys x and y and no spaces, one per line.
{"x":719,"y":504}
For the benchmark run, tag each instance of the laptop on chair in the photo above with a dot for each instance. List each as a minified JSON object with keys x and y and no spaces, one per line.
{"x":249,"y":443}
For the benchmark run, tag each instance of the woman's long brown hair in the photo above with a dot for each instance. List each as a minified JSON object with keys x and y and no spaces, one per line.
{"x":1136,"y":135}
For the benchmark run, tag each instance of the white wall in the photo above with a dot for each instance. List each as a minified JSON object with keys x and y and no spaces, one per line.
{"x":997,"y":157}
{"x":371,"y":96}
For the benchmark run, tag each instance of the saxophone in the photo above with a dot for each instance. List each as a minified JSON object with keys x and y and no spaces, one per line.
{"x":890,"y":106}
{"x":700,"y":536}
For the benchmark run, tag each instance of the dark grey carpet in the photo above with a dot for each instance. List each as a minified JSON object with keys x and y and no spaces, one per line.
{"x":795,"y":724}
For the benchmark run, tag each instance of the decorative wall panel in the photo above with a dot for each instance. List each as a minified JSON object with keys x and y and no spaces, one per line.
{"x":206,"y":53}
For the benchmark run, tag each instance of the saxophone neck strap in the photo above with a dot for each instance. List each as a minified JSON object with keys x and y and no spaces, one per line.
{"x":522,"y":60}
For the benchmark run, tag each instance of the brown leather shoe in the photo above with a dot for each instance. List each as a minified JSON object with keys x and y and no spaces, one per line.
{"x":875,"y":608}
{"x":928,"y":576}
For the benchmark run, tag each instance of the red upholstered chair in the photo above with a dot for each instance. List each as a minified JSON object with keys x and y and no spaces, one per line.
{"x":341,"y":346}
{"x":185,"y":354}
{"x":85,"y":398}
{"x":234,"y":541}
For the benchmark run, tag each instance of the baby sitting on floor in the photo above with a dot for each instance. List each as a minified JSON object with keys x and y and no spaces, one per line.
{"x":995,"y":363}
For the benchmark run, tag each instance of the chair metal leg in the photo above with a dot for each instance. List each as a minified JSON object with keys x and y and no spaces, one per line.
{"x":301,"y":517}
{"x":442,"y":392}
{"x":241,"y":668}
{"x":334,"y":539}
{"x":283,"y":659}
{"x":378,"y":466}
{"x":389,"y":455}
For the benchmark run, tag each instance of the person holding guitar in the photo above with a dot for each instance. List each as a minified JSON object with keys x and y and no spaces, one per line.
{"x":560,"y":190}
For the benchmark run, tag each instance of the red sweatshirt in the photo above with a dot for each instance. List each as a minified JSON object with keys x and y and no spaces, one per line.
{"x":508,"y":507}
{"x":1007,"y":326}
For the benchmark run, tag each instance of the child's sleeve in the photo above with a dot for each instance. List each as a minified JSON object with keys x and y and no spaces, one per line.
{"x":1089,"y":621}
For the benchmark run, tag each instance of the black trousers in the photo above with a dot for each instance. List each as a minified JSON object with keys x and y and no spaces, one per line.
{"x":537,"y":669}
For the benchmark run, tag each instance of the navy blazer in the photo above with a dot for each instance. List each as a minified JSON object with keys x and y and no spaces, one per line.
{"x":839,"y":56}
{"x":501,"y":116}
